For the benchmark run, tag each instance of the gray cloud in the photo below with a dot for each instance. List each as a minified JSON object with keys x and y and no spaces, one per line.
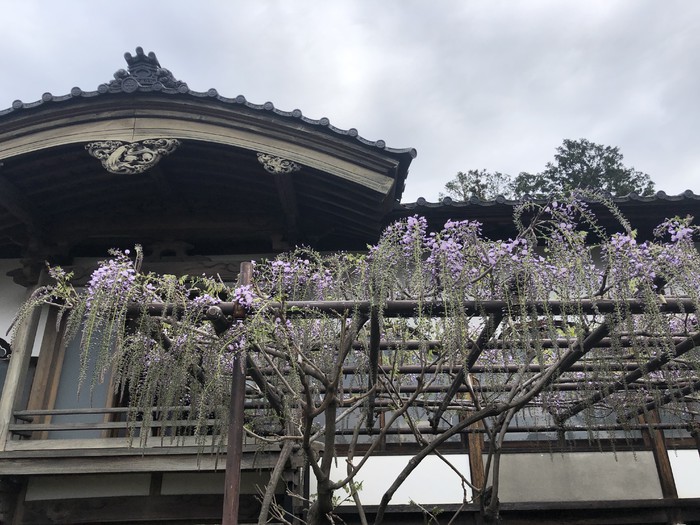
{"x":482,"y":84}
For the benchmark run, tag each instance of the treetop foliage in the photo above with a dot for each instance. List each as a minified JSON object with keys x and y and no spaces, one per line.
{"x":578,"y":164}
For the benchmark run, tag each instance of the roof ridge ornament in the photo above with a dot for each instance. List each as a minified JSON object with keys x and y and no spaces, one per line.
{"x":144,"y":73}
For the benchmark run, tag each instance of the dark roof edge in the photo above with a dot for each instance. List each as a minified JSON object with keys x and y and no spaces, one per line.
{"x":448,"y":203}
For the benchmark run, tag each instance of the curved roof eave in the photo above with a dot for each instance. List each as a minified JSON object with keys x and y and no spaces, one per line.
{"x":145,"y":77}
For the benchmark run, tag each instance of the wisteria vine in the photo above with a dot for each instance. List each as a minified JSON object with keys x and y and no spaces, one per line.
{"x":556,"y":327}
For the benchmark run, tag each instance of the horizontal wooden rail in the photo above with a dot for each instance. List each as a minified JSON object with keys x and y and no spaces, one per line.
{"x":409,"y":308}
{"x":26,"y":428}
{"x":103,"y":425}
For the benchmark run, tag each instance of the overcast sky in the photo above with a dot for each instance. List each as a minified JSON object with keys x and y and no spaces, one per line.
{"x":470,"y":84}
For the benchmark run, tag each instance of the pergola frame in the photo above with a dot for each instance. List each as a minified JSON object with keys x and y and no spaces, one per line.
{"x":493,"y":312}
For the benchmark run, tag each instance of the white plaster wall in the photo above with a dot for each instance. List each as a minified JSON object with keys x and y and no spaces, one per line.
{"x":431,"y":483}
{"x":87,"y":486}
{"x":685,"y":465}
{"x":578,"y":476}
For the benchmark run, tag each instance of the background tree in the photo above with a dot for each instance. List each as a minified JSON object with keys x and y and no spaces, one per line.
{"x":578,"y":164}
{"x":479,"y":183}
{"x":585,"y":164}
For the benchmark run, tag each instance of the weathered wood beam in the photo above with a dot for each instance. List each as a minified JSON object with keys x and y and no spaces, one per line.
{"x":17,"y":371}
{"x":651,"y":366}
{"x":654,"y":439}
{"x":288,"y":201}
{"x":374,"y":345}
{"x":234,"y":448}
{"x":487,"y":332}
{"x":12,"y":199}
{"x":410,"y":308}
{"x":672,"y":395}
{"x":47,"y":461}
{"x":475,"y":449}
{"x":134,"y":509}
{"x":268,"y":390}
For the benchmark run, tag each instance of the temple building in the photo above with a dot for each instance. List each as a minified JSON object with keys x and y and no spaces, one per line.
{"x":204,"y":182}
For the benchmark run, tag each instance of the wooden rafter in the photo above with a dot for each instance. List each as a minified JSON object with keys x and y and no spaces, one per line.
{"x":12,"y":199}
{"x":288,"y":201}
{"x":651,"y":366}
{"x":672,"y":395}
{"x":477,"y":346}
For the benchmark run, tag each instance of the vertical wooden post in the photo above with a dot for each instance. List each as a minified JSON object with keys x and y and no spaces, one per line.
{"x":475,"y":449}
{"x":475,"y":441}
{"x":695,"y":432}
{"x":654,"y":438}
{"x":17,"y":371}
{"x":234,"y":447}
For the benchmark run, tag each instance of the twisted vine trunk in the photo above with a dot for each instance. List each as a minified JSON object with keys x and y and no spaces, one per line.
{"x":321,"y":510}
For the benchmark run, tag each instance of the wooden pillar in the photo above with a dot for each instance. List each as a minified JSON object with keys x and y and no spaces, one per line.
{"x":654,"y":438}
{"x":695,"y":432}
{"x":475,"y":442}
{"x":475,"y":447}
{"x":234,"y":447}
{"x":48,"y":370}
{"x":17,"y":371}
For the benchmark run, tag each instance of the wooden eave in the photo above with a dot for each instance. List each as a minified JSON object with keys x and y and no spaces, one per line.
{"x":643,"y":213}
{"x":211,"y":192}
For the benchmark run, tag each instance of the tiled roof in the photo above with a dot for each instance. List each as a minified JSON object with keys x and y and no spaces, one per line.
{"x":145,"y":75}
{"x":496,"y":215}
{"x":448,"y":203}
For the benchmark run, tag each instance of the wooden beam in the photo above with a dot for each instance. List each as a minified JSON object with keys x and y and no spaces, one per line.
{"x":17,"y":371}
{"x":652,"y":365}
{"x":52,"y":463}
{"x":48,"y":371}
{"x":234,"y":449}
{"x":669,"y":397}
{"x":189,"y":508}
{"x":437,"y":308}
{"x":374,"y":339}
{"x":654,"y":438}
{"x":12,"y":199}
{"x":288,"y":201}
{"x":487,"y":332}
{"x":475,"y":444}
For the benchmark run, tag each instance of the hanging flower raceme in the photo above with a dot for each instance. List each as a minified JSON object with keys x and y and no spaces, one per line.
{"x":632,"y":265}
{"x":483,"y":303}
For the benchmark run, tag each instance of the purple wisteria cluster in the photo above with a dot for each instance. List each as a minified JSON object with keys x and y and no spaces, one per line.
{"x":679,"y":229}
{"x":113,"y":279}
{"x":629,"y":260}
{"x":453,"y":249}
{"x":295,"y":276}
{"x":245,"y":296}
